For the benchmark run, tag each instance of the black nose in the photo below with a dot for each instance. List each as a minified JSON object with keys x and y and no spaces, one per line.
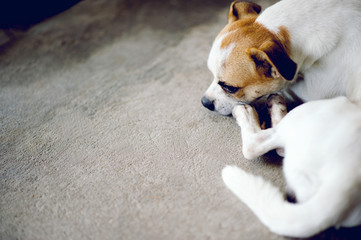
{"x":207,"y":103}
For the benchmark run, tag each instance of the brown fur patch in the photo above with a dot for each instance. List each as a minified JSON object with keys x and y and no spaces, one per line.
{"x":284,"y":37}
{"x":239,"y":10}
{"x":239,"y":69}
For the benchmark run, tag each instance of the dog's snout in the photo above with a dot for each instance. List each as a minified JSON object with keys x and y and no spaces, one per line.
{"x":207,"y":103}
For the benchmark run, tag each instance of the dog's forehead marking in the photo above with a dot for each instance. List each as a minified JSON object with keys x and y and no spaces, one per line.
{"x":218,"y":55}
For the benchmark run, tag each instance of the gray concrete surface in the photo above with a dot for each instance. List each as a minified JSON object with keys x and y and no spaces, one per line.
{"x":102,"y":134}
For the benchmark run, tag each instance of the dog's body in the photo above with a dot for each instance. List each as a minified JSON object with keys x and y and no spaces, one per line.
{"x":322,"y":167}
{"x":258,"y":54}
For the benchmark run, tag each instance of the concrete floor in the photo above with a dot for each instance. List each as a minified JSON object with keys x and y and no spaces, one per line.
{"x":102,"y":134}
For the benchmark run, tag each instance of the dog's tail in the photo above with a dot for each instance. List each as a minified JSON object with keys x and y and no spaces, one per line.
{"x":281,"y":217}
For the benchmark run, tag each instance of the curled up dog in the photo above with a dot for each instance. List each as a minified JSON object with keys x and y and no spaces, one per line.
{"x":258,"y":54}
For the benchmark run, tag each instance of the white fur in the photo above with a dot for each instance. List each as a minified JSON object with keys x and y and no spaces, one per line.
{"x":217,"y":56}
{"x":325,"y":40}
{"x":322,"y":166}
{"x":325,"y":44}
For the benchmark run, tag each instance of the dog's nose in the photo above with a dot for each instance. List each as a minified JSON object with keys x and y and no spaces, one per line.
{"x":207,"y":103}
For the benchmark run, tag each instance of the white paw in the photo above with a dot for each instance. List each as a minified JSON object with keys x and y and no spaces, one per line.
{"x":275,"y":99}
{"x":277,"y":104}
{"x":238,"y":111}
{"x":245,"y":114}
{"x":244,"y":109}
{"x":277,"y":108}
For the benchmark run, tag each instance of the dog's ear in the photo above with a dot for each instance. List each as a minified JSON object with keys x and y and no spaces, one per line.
{"x":272,"y":59}
{"x":239,"y":10}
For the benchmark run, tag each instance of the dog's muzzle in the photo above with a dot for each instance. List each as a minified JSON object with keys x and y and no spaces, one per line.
{"x":207,"y":103}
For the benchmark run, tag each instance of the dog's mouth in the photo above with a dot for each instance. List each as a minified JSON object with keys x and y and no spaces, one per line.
{"x":262,"y":98}
{"x":210,"y":105}
{"x":259,"y":98}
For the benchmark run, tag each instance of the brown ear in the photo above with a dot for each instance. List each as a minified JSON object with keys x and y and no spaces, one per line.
{"x":273,"y":56}
{"x":240,"y":10}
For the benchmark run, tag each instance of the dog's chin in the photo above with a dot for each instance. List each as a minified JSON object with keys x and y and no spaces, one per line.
{"x":226,"y":110}
{"x":226,"y":107}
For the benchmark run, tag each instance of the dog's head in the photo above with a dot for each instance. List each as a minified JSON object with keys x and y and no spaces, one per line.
{"x":247,"y":61}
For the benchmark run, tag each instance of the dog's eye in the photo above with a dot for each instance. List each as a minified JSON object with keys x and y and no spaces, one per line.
{"x":227,"y":88}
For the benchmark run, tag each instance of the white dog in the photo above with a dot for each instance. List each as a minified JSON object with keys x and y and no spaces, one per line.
{"x":258,"y":54}
{"x":322,"y":166}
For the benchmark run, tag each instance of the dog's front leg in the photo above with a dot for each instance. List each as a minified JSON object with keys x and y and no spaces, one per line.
{"x":255,"y":141}
{"x":277,"y":109}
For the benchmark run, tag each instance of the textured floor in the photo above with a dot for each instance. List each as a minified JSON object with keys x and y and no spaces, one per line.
{"x":102,"y":134}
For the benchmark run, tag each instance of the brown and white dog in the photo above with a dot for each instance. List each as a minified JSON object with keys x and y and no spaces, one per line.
{"x":258,"y":54}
